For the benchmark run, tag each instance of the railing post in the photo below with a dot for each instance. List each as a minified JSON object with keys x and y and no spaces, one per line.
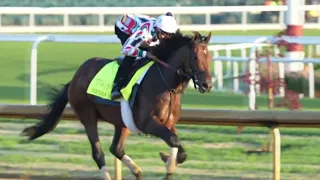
{"x":243,"y":65}
{"x":229,"y":65}
{"x":66,"y":20}
{"x":276,"y":153}
{"x":33,"y":68}
{"x":311,"y":81}
{"x":117,"y":169}
{"x":235,"y":67}
{"x":218,"y":71}
{"x":244,"y":17}
{"x":276,"y":51}
{"x":252,"y":70}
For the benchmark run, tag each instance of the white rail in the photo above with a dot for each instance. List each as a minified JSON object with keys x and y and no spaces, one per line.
{"x":232,"y":64}
{"x":34,"y":69}
{"x":100,"y":12}
{"x":228,"y":50}
{"x":251,"y":60}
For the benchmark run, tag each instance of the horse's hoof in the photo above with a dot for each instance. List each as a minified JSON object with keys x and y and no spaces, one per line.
{"x":138,"y":176}
{"x":169,"y":176}
{"x":180,"y":157}
{"x":164,"y":157}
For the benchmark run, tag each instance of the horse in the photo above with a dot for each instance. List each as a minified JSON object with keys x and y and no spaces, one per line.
{"x":156,"y":108}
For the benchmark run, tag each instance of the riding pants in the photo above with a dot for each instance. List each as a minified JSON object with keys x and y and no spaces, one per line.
{"x":126,"y":64}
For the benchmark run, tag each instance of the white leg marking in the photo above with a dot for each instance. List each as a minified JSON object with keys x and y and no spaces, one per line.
{"x":104,"y":173}
{"x":171,"y":163}
{"x":134,"y":168}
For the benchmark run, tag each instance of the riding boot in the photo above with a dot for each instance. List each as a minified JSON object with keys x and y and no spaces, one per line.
{"x":121,"y":76}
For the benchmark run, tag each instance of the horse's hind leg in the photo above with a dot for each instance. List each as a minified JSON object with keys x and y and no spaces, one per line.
{"x":117,"y":149}
{"x":88,"y":118}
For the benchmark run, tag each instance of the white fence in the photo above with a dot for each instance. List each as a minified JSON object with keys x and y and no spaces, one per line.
{"x":207,"y":11}
{"x":252,"y":42}
{"x":232,"y":63}
{"x":232,"y":70}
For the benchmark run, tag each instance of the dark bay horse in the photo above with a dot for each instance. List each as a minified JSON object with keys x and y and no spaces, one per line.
{"x":157,"y":106}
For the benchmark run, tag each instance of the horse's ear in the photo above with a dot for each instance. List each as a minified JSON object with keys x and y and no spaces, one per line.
{"x":207,"y":39}
{"x":196,"y":35}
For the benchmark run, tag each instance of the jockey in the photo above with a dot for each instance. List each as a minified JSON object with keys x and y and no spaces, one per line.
{"x":135,"y":32}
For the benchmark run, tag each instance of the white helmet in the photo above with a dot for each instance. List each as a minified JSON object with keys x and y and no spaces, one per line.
{"x":167,"y":24}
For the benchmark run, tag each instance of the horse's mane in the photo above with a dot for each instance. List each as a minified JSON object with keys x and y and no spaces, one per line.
{"x":164,"y":50}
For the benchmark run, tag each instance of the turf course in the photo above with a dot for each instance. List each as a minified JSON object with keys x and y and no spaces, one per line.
{"x":215,"y":152}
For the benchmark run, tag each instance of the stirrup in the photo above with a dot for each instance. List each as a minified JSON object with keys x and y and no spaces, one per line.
{"x":116,"y":84}
{"x":115,"y":92}
{"x":116,"y":95}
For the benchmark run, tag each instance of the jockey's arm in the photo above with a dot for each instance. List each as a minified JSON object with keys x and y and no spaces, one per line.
{"x":131,"y":46}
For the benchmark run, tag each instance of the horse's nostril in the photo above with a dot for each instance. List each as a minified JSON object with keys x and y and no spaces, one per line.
{"x":205,"y":85}
{"x":209,"y":84}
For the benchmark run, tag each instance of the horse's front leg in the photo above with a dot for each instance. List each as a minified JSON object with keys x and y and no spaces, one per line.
{"x":117,"y":149}
{"x":161,"y":131}
{"x":181,"y":156}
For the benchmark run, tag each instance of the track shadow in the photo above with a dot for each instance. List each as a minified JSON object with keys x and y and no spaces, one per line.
{"x":26,"y":76}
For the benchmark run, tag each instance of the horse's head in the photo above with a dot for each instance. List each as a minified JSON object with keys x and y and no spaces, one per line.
{"x":189,"y":55}
{"x":201,"y":68}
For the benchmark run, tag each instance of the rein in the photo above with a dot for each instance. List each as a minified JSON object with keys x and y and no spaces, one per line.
{"x":166,"y":65}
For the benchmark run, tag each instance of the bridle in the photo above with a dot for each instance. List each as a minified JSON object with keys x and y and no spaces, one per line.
{"x":190,"y":75}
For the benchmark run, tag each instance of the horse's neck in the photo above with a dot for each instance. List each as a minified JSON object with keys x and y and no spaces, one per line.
{"x":174,"y":80}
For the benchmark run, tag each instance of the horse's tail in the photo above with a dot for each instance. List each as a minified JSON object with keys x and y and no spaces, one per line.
{"x":50,"y":120}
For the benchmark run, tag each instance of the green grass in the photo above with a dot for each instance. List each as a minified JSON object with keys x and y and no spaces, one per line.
{"x":57,"y":63}
{"x":211,"y":150}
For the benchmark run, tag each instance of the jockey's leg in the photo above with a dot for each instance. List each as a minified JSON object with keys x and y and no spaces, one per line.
{"x":122,"y":75}
{"x":117,"y":149}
